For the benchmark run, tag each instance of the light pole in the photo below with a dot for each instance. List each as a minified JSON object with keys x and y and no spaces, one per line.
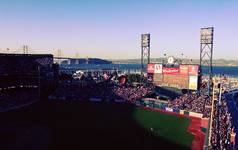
{"x":164,"y":58}
{"x":182,"y":58}
{"x":211,"y":116}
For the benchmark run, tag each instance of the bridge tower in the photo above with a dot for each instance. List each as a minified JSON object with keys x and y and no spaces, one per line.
{"x":25,"y":49}
{"x":77,"y":58}
{"x":87,"y":60}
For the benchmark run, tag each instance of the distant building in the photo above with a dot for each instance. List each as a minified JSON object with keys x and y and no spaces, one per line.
{"x":27,"y":70}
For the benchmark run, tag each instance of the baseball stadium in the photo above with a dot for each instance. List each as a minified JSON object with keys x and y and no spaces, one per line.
{"x":112,"y":113}
{"x":168,"y":105}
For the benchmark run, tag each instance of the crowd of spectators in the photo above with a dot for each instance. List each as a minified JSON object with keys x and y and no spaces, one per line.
{"x":221,"y":127}
{"x":105,"y":90}
{"x":131,"y":94}
{"x":192,"y":102}
{"x":110,"y":90}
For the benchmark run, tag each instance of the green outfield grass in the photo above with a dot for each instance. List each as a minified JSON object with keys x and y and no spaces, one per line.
{"x":170,"y":127}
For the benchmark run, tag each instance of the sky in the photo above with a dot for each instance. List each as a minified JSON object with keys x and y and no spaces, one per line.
{"x":112,"y":29}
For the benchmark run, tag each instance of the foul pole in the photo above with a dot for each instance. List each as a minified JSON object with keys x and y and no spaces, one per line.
{"x":212,"y":111}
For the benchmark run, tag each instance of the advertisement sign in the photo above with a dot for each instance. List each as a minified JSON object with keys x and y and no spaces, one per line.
{"x":193,"y":82}
{"x":183,"y":69}
{"x":193,"y":114}
{"x":158,"y":68}
{"x":150,"y":68}
{"x":169,"y":109}
{"x":193,"y":70}
{"x":170,"y":70}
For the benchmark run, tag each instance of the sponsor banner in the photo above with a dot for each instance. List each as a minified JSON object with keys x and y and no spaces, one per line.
{"x":183,"y":69}
{"x":158,"y":68}
{"x":193,"y":82}
{"x":149,"y":99}
{"x":170,"y":70}
{"x":181,"y":112}
{"x":169,"y":109}
{"x":198,"y":115}
{"x":193,"y":70}
{"x":150,"y":68}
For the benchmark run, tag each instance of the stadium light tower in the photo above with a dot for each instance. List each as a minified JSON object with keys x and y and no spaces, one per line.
{"x":206,"y":52}
{"x":145,"y":51}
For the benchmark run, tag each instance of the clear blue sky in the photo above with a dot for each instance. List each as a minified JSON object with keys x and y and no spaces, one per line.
{"x":112,"y":28}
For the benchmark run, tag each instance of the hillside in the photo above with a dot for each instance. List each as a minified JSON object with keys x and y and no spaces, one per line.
{"x":216,"y":62}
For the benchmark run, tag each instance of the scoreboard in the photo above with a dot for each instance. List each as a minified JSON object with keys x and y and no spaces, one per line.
{"x":182,"y":76}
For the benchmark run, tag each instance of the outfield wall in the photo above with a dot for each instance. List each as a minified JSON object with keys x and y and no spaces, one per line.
{"x":163,"y":106}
